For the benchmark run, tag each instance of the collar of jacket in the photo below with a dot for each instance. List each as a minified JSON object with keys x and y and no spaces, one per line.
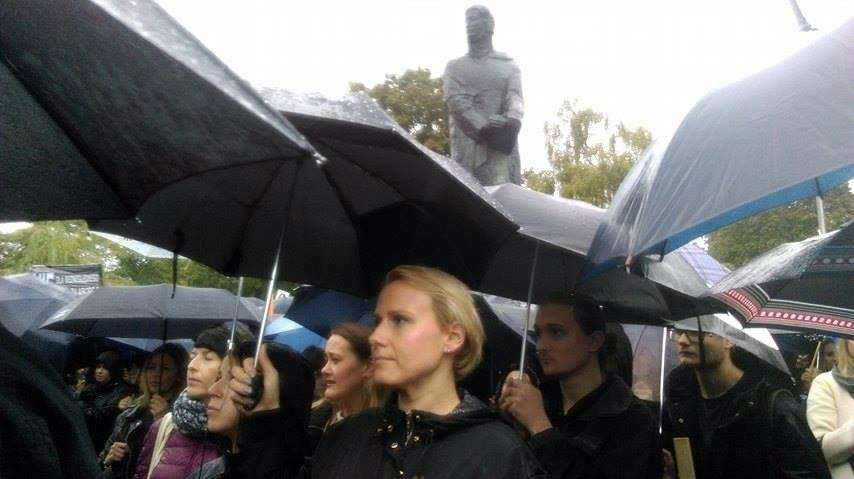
{"x":470,"y":411}
{"x":609,"y":399}
{"x":684,"y":393}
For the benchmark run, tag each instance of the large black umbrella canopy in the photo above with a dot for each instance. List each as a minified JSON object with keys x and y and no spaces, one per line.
{"x":808,"y":286}
{"x":564,"y":230}
{"x":378,"y":200}
{"x":782,"y":134}
{"x":105,"y":103}
{"x":150,"y":312}
{"x":563,"y":227}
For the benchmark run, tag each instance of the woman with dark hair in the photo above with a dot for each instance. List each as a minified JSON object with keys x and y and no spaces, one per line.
{"x":428,"y":336}
{"x":100,"y":400}
{"x":178,"y":443}
{"x":347,"y":387}
{"x":160,"y":381}
{"x":584,"y":422}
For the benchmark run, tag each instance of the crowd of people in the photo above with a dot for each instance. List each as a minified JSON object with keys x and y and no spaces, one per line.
{"x":385,"y":402}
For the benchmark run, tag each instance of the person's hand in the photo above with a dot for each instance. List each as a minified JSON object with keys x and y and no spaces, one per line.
{"x":241,"y":384}
{"x":158,"y":406}
{"x":809,"y":374}
{"x":125,"y":403}
{"x":524,"y":402}
{"x":668,"y":467}
{"x":117,"y":452}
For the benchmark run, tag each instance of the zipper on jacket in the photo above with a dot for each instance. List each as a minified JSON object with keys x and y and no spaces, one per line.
{"x":410,"y":429}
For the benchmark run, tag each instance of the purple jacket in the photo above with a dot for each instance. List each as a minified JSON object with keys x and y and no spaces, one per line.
{"x":182,"y":456}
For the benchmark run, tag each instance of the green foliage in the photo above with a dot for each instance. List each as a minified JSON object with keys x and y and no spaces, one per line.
{"x":542,"y":181}
{"x":414,"y":100}
{"x":590,"y":158}
{"x":69,"y":242}
{"x":736,"y":244}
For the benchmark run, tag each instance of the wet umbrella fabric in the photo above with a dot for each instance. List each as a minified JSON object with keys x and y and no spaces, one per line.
{"x":805,"y":286}
{"x":783,"y":134}
{"x":107,"y":102}
{"x":564,"y":230}
{"x":378,"y":200}
{"x":756,"y":341}
{"x":284,"y":331}
{"x":150,"y":312}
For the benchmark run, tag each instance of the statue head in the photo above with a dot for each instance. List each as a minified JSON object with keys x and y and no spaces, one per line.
{"x":479,"y":23}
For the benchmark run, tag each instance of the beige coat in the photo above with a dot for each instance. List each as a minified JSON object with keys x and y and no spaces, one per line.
{"x":830,"y":413}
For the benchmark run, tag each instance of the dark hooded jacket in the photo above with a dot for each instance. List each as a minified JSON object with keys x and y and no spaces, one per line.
{"x":755,"y":430}
{"x":272,"y":444}
{"x":471,"y":442}
{"x":608,"y":434}
{"x":100,"y":402}
{"x":42,"y":433}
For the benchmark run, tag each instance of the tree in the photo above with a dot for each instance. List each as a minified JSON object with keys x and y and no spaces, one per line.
{"x":414,"y":99}
{"x":589,"y":157}
{"x":542,"y":181}
{"x":736,"y":244}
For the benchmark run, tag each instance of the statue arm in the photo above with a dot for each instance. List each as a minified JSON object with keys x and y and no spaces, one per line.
{"x":461,"y":106}
{"x":513,"y":102}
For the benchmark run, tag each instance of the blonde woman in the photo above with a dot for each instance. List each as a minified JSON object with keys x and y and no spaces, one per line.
{"x":346,"y":376}
{"x":830,"y":412}
{"x":161,"y":379}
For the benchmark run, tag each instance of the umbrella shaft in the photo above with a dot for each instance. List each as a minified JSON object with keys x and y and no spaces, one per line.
{"x":819,"y":207}
{"x":236,"y":308}
{"x":528,"y":311}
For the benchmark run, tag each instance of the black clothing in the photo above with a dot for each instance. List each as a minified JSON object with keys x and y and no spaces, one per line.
{"x":607,"y":434}
{"x":471,"y":442}
{"x":320,"y":417}
{"x":100,"y":406}
{"x":130,"y":427}
{"x":42,"y":432}
{"x":739,"y":434}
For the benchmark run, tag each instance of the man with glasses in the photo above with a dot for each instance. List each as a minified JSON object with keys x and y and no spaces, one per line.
{"x":725,"y":419}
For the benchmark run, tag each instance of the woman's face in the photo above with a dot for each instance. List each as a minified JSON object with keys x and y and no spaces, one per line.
{"x":161,"y":381}
{"x":408,"y":343}
{"x":223,"y":416}
{"x":202,"y":372}
{"x":102,"y":374}
{"x":562,"y":345}
{"x":828,"y":356}
{"x":344,"y":372}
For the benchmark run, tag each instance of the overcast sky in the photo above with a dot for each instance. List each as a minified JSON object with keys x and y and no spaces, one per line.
{"x":641,"y":62}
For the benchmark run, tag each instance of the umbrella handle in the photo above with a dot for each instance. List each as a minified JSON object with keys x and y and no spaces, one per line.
{"x":257,"y":392}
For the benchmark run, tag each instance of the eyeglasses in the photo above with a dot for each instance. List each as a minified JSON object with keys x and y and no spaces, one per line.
{"x":693,"y":336}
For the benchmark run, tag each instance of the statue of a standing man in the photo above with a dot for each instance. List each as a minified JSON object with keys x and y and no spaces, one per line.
{"x":483,"y":92}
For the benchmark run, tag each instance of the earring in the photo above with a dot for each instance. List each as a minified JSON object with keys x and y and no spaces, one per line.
{"x":447,"y":350}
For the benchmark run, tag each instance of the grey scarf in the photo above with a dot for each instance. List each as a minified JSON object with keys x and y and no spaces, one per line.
{"x":190,"y":416}
{"x":847,"y":382}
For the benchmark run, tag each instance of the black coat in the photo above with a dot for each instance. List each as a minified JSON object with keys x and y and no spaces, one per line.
{"x":608,"y":434}
{"x":100,"y":406}
{"x":317,"y":422}
{"x":42,"y":433}
{"x":749,"y":436}
{"x":130,"y":427}
{"x":472,"y":442}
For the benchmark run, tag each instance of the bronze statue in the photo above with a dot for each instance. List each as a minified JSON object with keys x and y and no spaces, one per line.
{"x":483,"y":92}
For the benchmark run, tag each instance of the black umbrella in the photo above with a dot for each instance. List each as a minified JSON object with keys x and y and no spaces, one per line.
{"x":808,"y":285}
{"x":782,"y":134}
{"x":558,"y":232}
{"x":377,"y":200}
{"x":103,"y":104}
{"x":150,"y":312}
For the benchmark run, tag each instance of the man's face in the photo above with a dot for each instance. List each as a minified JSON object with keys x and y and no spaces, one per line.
{"x":715,"y":348}
{"x":562,"y":346}
{"x":477,"y":25}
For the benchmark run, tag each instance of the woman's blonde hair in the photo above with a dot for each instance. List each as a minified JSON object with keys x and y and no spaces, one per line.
{"x":181,"y":358}
{"x":844,"y":357}
{"x":452,"y":304}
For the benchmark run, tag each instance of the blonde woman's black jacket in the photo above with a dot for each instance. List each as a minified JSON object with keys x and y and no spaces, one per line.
{"x":608,"y":434}
{"x":384,"y":443}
